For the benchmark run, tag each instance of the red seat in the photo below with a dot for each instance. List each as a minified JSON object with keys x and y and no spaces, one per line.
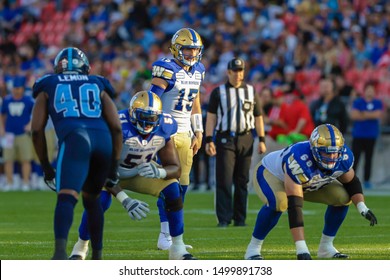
{"x":27,"y":28}
{"x":38,"y":27}
{"x":48,"y":11}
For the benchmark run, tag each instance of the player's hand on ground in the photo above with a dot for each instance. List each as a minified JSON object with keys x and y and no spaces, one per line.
{"x":369,"y":215}
{"x":136,"y":209}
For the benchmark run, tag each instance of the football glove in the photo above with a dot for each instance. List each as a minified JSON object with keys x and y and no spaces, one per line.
{"x":303,"y":256}
{"x":150,"y":170}
{"x":49,"y":175}
{"x":369,"y":215}
{"x":113,"y":175}
{"x":136,"y":209}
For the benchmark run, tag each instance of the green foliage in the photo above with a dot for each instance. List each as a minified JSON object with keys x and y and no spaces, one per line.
{"x":26,"y":230}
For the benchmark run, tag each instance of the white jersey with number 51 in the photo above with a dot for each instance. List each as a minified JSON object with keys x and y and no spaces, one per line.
{"x":182,"y":89}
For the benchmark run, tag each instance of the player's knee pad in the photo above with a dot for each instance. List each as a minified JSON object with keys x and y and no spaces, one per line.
{"x":172,"y":198}
{"x":174,"y":205}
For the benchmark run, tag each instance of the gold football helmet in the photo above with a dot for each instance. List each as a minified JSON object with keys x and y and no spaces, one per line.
{"x":145,"y":111}
{"x":186,"y":38}
{"x":327,"y":145}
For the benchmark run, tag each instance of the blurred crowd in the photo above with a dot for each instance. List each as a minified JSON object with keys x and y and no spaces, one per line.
{"x":288,"y":45}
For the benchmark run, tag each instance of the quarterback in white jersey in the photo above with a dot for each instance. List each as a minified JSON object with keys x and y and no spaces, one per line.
{"x":147,"y":134}
{"x":177,"y":81}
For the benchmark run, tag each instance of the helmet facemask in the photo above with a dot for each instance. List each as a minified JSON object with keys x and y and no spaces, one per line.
{"x":146,"y":121}
{"x":145,"y":112}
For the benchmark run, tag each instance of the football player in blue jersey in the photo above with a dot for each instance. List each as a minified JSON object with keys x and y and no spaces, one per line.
{"x":147,"y":134}
{"x":90,"y":140}
{"x":177,"y":82}
{"x":319,"y":170}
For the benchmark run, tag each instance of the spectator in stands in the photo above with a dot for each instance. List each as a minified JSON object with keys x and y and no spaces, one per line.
{"x":15,"y":127}
{"x":328,"y":108}
{"x":295,"y":115}
{"x":366,"y":115}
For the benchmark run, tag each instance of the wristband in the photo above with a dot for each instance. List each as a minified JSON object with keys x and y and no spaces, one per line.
{"x":163,"y":173}
{"x":262,"y":139}
{"x":197,"y":122}
{"x":361,"y":207}
{"x":209,"y":139}
{"x":121,"y":196}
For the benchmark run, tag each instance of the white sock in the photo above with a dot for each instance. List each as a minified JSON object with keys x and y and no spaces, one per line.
{"x":165,"y":227}
{"x":326,"y":248}
{"x":83,"y":242}
{"x":326,"y":240}
{"x":178,"y":240}
{"x":254,"y":247}
{"x":301,"y":247}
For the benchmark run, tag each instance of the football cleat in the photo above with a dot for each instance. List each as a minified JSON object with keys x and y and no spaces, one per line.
{"x":340,"y":256}
{"x":255,"y":257}
{"x":189,"y":257}
{"x":331,"y":254}
{"x":179,"y":252}
{"x":80,"y":250}
{"x":304,"y":256}
{"x":164,"y":241}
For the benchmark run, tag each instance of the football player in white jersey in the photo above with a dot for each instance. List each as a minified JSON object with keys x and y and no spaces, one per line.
{"x":147,"y":134}
{"x":319,"y":170}
{"x":177,"y":81}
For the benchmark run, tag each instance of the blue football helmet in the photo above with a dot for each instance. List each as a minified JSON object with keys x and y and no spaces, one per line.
{"x":71,"y":60}
{"x":145,"y":111}
{"x":186,"y":38}
{"x":327,"y":146}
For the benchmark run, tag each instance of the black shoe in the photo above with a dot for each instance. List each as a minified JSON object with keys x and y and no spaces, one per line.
{"x":223,"y":224}
{"x":240,"y":224}
{"x":189,"y":257}
{"x":256,"y":257}
{"x":303,"y":256}
{"x":76,"y":257}
{"x":340,"y":256}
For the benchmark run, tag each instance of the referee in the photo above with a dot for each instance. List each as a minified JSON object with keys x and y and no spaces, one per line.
{"x":233,"y":112}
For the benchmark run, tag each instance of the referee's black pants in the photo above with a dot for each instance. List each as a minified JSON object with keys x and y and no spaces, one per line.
{"x":366,"y":146}
{"x":233,"y":161}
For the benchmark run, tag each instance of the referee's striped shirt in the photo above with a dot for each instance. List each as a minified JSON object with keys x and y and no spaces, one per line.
{"x":236,"y":108}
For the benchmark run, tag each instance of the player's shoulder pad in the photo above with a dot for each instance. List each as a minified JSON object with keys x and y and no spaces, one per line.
{"x":200,"y":67}
{"x":348,"y":159}
{"x":107,"y":86}
{"x":163,"y":68}
{"x":298,"y":163}
{"x":168,"y":125}
{"x":123,"y":115}
{"x":39,"y":84}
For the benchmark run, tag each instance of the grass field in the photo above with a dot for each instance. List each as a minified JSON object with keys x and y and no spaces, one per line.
{"x":26,"y":230}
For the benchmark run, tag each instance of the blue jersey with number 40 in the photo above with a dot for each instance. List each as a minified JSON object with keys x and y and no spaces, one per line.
{"x":74,"y":101}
